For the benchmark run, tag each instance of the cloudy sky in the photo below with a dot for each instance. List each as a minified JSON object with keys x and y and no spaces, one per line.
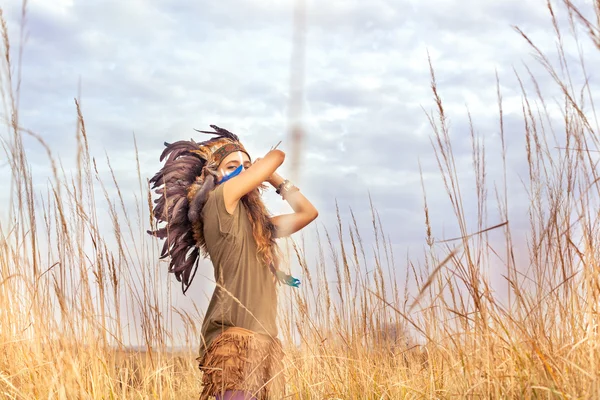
{"x":161,"y":68}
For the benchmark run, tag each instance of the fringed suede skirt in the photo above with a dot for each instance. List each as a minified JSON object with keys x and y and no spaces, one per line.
{"x":242,"y":360}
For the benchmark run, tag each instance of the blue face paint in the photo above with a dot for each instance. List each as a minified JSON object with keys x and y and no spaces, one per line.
{"x":235,"y":173}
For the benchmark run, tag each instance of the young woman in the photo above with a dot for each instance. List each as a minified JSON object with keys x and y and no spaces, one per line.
{"x":211,"y":203}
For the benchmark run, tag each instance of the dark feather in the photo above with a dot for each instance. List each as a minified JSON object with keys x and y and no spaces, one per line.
{"x":177,"y":189}
{"x":187,"y":274}
{"x":159,"y":233}
{"x":189,"y":261}
{"x":200,"y":198}
{"x":188,"y":277}
{"x":185,"y":166}
{"x":180,"y":212}
{"x":171,"y":183}
{"x":165,"y":249}
{"x":174,"y":149}
{"x":220,"y":133}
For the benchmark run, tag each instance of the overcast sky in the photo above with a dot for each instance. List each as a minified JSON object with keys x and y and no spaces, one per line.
{"x":161,"y":68}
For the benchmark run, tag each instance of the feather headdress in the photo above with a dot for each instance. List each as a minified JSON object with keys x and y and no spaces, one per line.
{"x":183,"y":183}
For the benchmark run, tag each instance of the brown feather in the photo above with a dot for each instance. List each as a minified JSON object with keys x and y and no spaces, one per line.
{"x":183,"y":185}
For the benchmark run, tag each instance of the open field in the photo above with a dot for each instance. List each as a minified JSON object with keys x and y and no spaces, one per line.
{"x":66,"y":287}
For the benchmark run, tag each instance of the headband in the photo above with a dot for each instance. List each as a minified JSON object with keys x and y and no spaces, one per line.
{"x":222,"y":152}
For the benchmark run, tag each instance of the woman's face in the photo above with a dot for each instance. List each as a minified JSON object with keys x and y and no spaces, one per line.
{"x":231,"y":162}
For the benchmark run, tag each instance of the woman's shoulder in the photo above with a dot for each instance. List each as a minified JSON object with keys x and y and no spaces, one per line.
{"x":215,"y":212}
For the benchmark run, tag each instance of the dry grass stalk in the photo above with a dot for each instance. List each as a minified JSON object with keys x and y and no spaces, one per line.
{"x":72,"y":297}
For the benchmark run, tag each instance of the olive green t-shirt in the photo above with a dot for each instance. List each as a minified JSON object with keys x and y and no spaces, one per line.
{"x":237,"y":267}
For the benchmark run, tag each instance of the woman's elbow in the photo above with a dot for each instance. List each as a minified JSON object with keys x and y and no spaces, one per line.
{"x":278,"y":155}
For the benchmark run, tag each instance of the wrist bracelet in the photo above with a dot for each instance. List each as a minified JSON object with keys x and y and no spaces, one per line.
{"x":286,"y":188}
{"x":283,"y":186}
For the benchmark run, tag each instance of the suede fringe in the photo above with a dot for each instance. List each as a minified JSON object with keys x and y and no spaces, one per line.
{"x":239,"y":359}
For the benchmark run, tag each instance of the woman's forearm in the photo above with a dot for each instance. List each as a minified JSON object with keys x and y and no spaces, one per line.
{"x":275,"y":180}
{"x":299,"y":203}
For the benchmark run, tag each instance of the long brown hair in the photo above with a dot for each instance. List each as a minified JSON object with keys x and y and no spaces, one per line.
{"x":263,"y":229}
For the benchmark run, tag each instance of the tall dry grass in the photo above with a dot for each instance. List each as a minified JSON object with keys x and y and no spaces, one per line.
{"x":68,"y":292}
